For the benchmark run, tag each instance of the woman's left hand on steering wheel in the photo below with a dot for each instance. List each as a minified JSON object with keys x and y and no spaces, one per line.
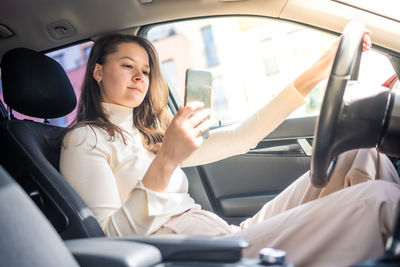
{"x":321,"y":69}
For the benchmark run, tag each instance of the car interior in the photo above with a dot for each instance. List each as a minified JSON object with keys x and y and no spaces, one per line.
{"x":46,"y":223}
{"x":34,"y":163}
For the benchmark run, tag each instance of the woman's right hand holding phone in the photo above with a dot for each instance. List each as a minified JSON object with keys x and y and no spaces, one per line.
{"x":182,"y":137}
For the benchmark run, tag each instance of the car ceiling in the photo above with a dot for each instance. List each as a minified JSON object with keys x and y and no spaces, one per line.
{"x":29,"y":19}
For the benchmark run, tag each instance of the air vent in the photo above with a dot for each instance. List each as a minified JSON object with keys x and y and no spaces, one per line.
{"x":5,"y":32}
{"x":60,"y":30}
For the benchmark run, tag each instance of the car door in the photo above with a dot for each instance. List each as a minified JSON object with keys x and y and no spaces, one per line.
{"x":251,"y":60}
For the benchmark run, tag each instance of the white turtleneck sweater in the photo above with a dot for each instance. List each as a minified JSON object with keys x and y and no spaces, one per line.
{"x":107,"y":173}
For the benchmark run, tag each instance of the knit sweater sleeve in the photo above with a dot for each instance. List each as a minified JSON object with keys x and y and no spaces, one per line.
{"x":241,"y":137}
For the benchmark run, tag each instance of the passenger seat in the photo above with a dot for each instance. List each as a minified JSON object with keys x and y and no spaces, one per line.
{"x":37,"y":86}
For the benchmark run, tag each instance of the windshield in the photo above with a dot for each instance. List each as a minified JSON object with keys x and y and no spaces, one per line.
{"x":385,"y":8}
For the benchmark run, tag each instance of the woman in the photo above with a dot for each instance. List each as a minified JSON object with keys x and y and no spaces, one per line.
{"x":124,"y":152}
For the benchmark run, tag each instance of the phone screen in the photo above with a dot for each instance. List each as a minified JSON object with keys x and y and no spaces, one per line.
{"x":198,"y":88}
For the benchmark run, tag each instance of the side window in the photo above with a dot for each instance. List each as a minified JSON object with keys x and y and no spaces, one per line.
{"x":251,"y":60}
{"x":74,"y":63}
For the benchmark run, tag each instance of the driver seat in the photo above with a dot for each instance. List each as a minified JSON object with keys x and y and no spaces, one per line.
{"x":37,"y":86}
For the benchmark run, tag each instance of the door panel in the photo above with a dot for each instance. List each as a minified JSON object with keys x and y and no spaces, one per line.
{"x":238,"y":187}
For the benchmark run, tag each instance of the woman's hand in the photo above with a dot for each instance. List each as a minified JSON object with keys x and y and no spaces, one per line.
{"x":182,"y":137}
{"x":322,"y":68}
{"x":367,"y":44}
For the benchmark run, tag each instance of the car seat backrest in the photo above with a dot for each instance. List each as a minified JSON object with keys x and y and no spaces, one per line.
{"x":37,"y":86}
{"x":27,"y":238}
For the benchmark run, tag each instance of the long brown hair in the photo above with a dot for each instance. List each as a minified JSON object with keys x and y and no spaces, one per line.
{"x":150,"y":117}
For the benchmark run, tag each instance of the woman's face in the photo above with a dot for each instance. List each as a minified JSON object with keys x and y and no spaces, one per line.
{"x":124,"y":76}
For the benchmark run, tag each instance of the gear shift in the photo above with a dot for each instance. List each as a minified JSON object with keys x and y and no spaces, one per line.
{"x":274,"y":258}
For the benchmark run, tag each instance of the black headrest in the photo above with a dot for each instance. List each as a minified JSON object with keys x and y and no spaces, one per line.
{"x":36,"y":85}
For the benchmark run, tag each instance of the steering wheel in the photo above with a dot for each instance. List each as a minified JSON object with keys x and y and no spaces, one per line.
{"x":327,"y":143}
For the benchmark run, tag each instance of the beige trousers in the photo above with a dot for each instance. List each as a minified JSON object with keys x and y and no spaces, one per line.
{"x":317,"y":227}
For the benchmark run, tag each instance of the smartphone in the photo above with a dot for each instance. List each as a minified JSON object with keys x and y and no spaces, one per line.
{"x":198,"y":85}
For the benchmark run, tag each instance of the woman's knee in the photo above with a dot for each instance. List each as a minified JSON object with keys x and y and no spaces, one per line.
{"x":381,"y":190}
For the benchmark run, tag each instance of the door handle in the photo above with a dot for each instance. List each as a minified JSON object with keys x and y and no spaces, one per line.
{"x":305,"y":146}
